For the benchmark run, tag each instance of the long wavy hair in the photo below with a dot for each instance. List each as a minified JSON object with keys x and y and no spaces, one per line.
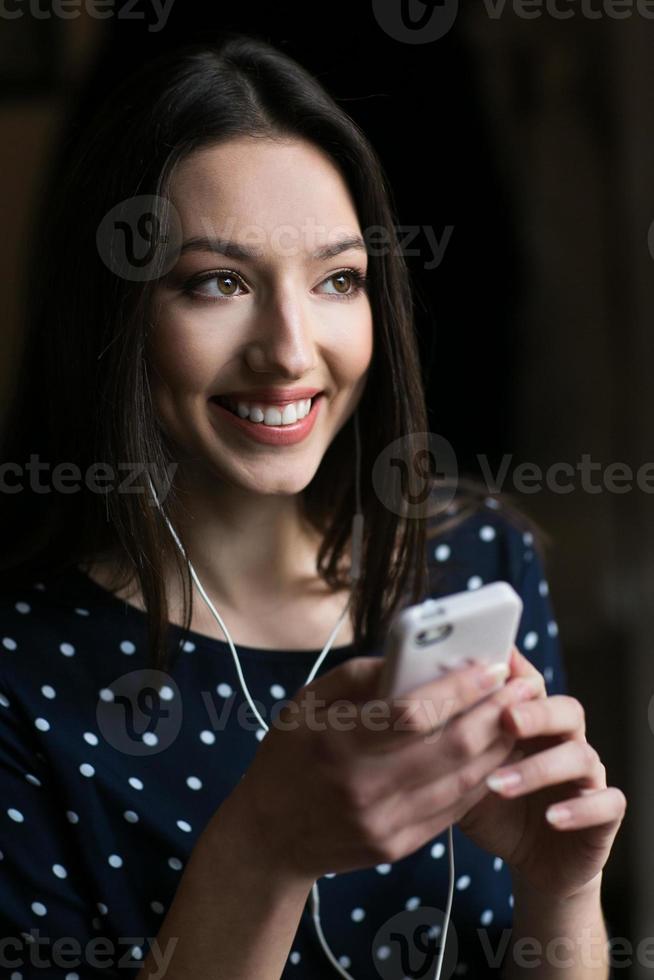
{"x":82,"y":393}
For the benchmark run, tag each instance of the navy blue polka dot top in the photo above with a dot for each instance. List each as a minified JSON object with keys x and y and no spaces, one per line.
{"x":98,"y":818}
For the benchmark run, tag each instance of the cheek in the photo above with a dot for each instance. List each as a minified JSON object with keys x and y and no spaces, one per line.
{"x":352,"y":355}
{"x":182,"y":376}
{"x":181,"y":365}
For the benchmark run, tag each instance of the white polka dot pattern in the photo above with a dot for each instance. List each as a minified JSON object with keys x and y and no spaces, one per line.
{"x":78,"y":810}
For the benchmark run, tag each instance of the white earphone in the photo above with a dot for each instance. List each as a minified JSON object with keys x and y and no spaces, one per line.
{"x":357,"y":537}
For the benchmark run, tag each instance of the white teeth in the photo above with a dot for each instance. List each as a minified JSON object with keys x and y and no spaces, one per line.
{"x":272,"y":415}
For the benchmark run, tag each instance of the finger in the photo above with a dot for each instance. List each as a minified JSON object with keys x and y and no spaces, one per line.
{"x":470,"y":734}
{"x":557,"y":714}
{"x":482,"y":720}
{"x":595,"y":807}
{"x":570,"y":761}
{"x":414,"y":806}
{"x":427,"y":708}
{"x":414,"y":763}
{"x":521,"y":667}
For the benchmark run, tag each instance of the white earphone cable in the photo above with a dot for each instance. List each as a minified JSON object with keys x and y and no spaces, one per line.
{"x":355,"y":571}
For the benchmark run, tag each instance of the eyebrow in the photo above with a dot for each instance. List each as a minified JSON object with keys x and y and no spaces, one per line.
{"x":235,"y":250}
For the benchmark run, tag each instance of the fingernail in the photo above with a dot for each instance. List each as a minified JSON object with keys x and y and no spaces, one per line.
{"x":558,"y":814}
{"x":517,"y":716}
{"x":492,"y":675}
{"x":505,"y":781}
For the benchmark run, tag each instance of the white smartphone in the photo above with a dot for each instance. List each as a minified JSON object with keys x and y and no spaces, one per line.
{"x":438,"y":635}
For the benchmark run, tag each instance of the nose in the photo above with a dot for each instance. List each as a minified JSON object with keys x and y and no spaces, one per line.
{"x":283,"y":342}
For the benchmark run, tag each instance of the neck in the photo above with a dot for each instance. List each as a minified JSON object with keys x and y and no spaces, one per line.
{"x":244,"y":545}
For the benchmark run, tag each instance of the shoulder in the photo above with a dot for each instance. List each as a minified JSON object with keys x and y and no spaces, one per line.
{"x":38,"y":597}
{"x":44,"y":617}
{"x":474,"y":538}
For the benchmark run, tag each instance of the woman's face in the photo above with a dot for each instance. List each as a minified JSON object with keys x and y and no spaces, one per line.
{"x":285,"y":319}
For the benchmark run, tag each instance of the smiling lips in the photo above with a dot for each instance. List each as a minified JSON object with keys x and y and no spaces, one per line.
{"x":273,"y":424}
{"x":281,"y":414}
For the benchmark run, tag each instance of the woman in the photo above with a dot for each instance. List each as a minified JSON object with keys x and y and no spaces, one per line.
{"x":203,"y":263}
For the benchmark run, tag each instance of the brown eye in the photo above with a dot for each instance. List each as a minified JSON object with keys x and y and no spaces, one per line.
{"x":340,"y":276}
{"x":348,"y":282}
{"x":194,"y":288}
{"x":230,"y":279}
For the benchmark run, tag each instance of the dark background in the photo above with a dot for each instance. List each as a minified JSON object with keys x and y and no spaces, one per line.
{"x":533,"y":141}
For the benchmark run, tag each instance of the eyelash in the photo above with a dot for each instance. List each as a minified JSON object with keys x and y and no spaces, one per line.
{"x":356,"y":275}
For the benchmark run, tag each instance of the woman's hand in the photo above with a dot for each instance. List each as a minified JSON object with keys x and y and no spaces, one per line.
{"x":556,"y":765}
{"x":343,"y":781}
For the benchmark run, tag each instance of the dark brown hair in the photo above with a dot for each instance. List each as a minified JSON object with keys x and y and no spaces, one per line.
{"x":82,"y":394}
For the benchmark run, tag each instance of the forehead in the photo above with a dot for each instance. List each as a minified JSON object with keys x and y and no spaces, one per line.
{"x":264,"y":184}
